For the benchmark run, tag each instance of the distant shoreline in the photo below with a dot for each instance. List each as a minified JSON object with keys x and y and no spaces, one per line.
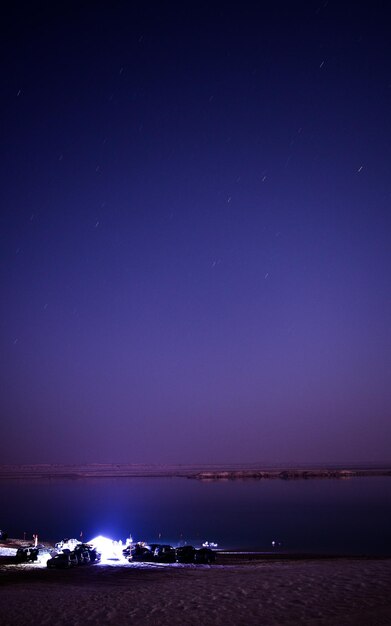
{"x":205,"y":473}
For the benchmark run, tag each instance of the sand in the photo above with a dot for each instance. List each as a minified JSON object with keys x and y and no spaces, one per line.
{"x":335,"y":592}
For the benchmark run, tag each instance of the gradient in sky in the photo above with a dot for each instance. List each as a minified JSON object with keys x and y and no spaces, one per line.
{"x":195,"y":232}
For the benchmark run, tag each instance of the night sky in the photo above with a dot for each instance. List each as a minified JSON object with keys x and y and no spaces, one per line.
{"x":195,"y":232}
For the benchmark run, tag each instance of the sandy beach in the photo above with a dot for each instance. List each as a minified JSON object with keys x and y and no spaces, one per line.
{"x":235,"y":591}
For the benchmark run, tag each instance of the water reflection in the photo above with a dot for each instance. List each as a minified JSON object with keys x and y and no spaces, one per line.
{"x":338,"y":516}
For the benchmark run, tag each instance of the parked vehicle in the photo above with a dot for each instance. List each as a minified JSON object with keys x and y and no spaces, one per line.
{"x":185,"y":554}
{"x":30,"y":554}
{"x":82,"y":554}
{"x":72,"y":556}
{"x":3,"y":535}
{"x":164,"y":554}
{"x":140,"y":552}
{"x":204,"y":555}
{"x":64,"y":560}
{"x":27,"y":555}
{"x":95,"y":556}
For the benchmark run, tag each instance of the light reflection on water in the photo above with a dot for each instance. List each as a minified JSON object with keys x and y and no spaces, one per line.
{"x":339,"y":516}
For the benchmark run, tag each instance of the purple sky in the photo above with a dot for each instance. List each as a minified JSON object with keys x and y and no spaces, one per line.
{"x":195,"y":232}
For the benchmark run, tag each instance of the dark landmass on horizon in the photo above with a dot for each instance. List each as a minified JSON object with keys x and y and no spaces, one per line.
{"x":198,"y":472}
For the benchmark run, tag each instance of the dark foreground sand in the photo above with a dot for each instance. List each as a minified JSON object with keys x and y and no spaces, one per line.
{"x":336,"y":592}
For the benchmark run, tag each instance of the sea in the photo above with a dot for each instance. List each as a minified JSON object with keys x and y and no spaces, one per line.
{"x":318,"y":516}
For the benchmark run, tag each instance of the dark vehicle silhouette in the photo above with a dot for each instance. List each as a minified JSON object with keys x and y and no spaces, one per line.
{"x":140,"y":553}
{"x":30,"y":554}
{"x":64,"y":560}
{"x":86,"y":554}
{"x":95,"y":556}
{"x":83,"y":555}
{"x":204,"y":555}
{"x":3,"y":535}
{"x":185,"y":554}
{"x":27,"y":555}
{"x":72,"y":556}
{"x":164,"y":554}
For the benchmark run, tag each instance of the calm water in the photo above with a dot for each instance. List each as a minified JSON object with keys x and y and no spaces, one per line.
{"x":339,"y":516}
